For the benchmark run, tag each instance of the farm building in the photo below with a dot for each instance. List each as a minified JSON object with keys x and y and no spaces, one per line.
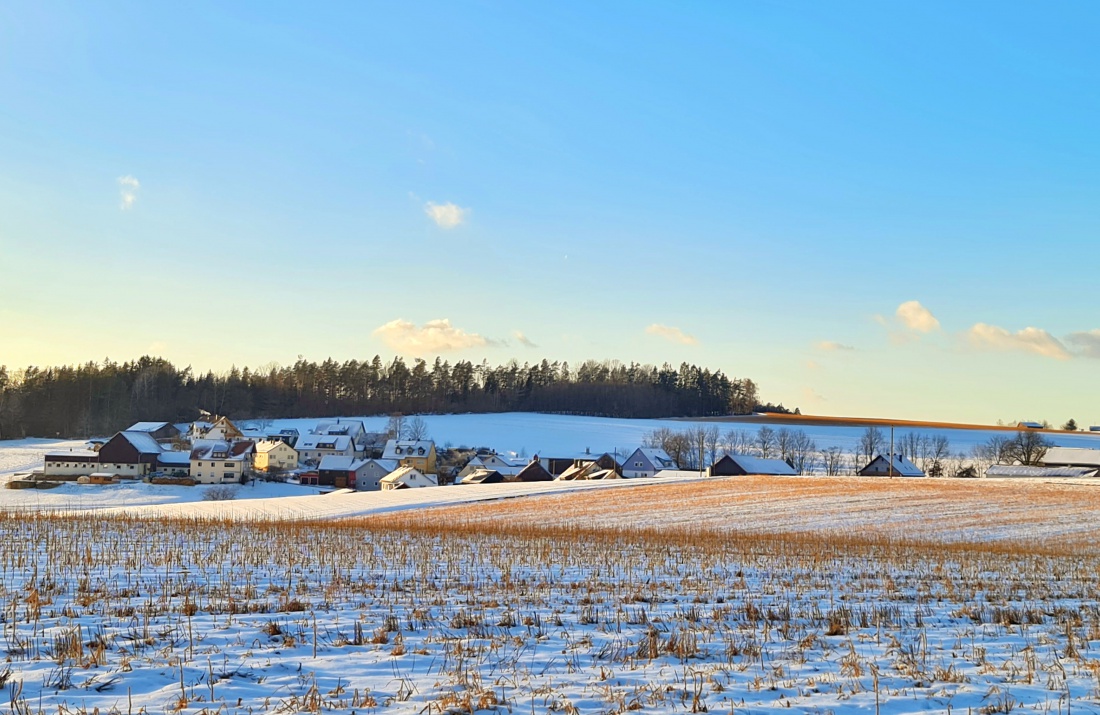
{"x":587,"y":470}
{"x":130,"y":454}
{"x":174,"y":463}
{"x":72,"y":463}
{"x":1071,"y":457}
{"x":408,"y":478}
{"x":1004,"y":471}
{"x":483,"y":476}
{"x":880,"y":466}
{"x":160,"y":431}
{"x":559,"y":465}
{"x":646,"y":462}
{"x":533,"y":472}
{"x":739,"y":465}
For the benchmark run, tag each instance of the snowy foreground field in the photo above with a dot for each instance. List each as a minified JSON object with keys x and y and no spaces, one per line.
{"x":731,"y":595}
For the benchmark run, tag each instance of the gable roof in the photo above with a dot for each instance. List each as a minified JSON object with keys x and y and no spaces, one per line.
{"x":483,"y":476}
{"x":143,"y":442}
{"x":146,"y":426}
{"x":408,"y":475}
{"x":267,"y":445}
{"x":313,"y":441}
{"x":341,"y":463}
{"x":1072,"y":456}
{"x":1016,"y":470}
{"x":759,"y":465}
{"x":657,"y":458}
{"x":351,"y":428}
{"x":232,"y":450}
{"x":406,"y":448}
{"x":902,"y":466}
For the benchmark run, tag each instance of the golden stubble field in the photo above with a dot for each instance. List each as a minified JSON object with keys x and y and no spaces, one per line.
{"x":1059,"y":515}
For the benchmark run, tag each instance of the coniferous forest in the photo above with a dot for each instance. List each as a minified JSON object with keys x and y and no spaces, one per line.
{"x":100,"y":398}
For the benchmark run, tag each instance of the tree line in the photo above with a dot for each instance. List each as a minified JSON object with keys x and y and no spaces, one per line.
{"x":100,"y":398}
{"x":698,"y":447}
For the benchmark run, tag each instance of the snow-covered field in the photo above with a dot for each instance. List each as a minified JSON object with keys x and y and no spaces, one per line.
{"x":805,"y":594}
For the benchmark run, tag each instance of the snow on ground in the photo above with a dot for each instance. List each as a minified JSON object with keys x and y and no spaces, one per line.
{"x":23,"y":455}
{"x":551,"y":435}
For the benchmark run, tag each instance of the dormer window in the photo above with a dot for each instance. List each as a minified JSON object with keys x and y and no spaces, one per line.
{"x":420,"y":451}
{"x":399,"y":451}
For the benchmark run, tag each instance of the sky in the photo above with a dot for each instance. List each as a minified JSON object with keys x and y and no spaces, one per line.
{"x":870,"y":209}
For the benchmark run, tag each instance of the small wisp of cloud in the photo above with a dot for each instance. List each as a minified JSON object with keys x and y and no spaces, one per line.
{"x":831,"y":346}
{"x":523,"y":339}
{"x":435,"y":336}
{"x":128,"y":188}
{"x":915,"y":316}
{"x":674,"y":335}
{"x":1085,"y":343}
{"x":446,"y":216}
{"x":1029,"y":340}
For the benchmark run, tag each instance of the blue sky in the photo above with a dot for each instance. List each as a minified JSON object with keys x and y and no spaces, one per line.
{"x":883,"y":209}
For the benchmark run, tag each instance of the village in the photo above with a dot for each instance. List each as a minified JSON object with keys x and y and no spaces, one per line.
{"x":341,"y":454}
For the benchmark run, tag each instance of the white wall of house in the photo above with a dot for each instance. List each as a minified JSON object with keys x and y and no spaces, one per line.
{"x":217,"y":471}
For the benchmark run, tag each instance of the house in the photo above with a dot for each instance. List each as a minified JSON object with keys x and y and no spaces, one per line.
{"x":312,"y":448}
{"x":161,"y":431}
{"x":646,"y":462}
{"x":533,"y":472}
{"x":345,"y":428}
{"x":340,"y":471}
{"x":1007,"y":471}
{"x":416,"y":453}
{"x":1071,"y":457}
{"x":899,"y":466}
{"x":220,"y":430}
{"x":483,"y":476}
{"x":221,"y":462}
{"x":739,"y":465}
{"x":370,"y":476}
{"x":72,"y":463}
{"x":273,"y":455}
{"x":175,"y":463}
{"x":407,"y":478}
{"x":1029,"y":425}
{"x":507,"y":466}
{"x":130,"y":454}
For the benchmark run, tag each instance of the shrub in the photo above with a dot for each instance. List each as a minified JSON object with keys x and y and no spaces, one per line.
{"x":221,"y":492}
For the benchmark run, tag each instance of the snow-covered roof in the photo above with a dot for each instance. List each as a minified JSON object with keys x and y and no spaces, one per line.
{"x":214,"y":449}
{"x":1016,"y":470}
{"x":758,"y":465}
{"x":181,"y":458}
{"x":143,"y":442}
{"x":409,"y":475}
{"x":387,"y":464}
{"x":146,"y":426}
{"x":404,"y":448}
{"x":902,"y":466}
{"x":266,"y":445}
{"x":657,"y":457}
{"x":314,"y":441}
{"x":1072,"y":456}
{"x":351,"y":428}
{"x":73,"y":454}
{"x":341,"y":463}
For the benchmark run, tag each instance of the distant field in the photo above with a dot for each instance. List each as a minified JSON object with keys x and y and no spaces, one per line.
{"x":1059,"y":515}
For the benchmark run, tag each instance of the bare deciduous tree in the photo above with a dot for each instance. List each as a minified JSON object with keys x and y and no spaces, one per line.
{"x":765,"y":442}
{"x":833,"y":460}
{"x":416,"y":428}
{"x":870,"y":444}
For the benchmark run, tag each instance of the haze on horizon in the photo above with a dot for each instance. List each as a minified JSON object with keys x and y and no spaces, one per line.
{"x":868,"y":209}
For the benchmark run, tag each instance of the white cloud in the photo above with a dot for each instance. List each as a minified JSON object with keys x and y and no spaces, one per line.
{"x":1086,"y":343}
{"x":435,"y":336}
{"x":128,"y":192}
{"x":812,"y":396}
{"x":1028,"y":340}
{"x":446,"y":215}
{"x":671,"y":334}
{"x":915,"y":316}
{"x":523,"y":340}
{"x":832,"y":346}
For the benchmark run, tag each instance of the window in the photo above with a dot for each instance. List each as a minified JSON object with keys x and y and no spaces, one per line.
{"x":228,"y":465}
